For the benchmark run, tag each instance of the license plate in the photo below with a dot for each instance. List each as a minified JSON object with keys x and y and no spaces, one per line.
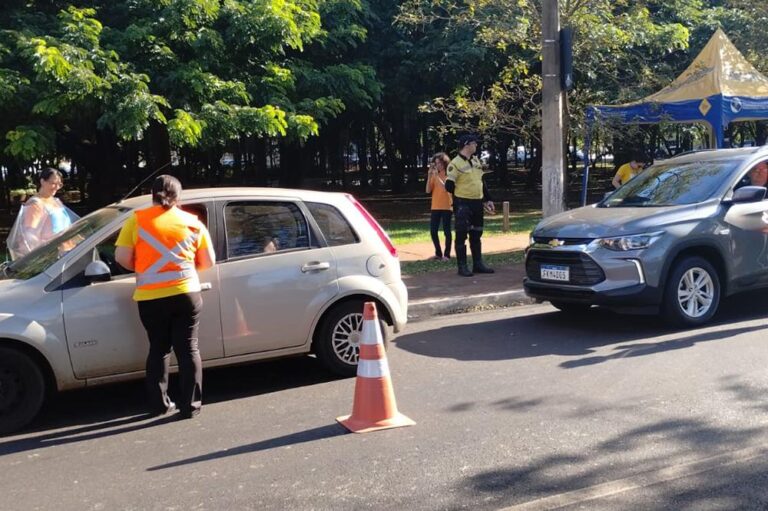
{"x":555,"y":272}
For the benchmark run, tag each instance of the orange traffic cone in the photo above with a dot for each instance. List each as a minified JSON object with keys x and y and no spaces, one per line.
{"x":374,"y":407}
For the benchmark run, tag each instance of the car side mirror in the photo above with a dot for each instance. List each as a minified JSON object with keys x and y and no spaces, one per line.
{"x":97,"y":271}
{"x":747,"y":194}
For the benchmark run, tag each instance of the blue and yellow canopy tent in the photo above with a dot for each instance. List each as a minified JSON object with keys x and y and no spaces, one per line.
{"x":718,"y":88}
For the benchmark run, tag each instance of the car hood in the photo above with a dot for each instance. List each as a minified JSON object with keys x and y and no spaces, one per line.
{"x":594,"y":222}
{"x":8,"y":284}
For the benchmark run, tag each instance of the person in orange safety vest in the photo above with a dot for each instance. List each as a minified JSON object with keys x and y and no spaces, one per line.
{"x":166,"y":247}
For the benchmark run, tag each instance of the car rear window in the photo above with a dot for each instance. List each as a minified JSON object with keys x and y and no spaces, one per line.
{"x":333,"y":225}
{"x":262,"y":227}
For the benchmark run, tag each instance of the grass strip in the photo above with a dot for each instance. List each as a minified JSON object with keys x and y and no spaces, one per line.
{"x":429,"y":266}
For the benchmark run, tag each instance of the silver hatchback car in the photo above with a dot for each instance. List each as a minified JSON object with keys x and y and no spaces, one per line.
{"x":293,"y":270}
{"x":675,"y":239}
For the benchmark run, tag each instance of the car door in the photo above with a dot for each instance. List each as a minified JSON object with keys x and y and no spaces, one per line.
{"x":275,"y":279}
{"x":104,"y":332}
{"x":748,"y":224}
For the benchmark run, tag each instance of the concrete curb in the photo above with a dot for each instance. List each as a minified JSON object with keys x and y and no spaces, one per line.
{"x":430,"y":307}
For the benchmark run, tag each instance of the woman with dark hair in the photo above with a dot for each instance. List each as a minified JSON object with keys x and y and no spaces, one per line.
{"x":166,"y":247}
{"x":41,"y":218}
{"x":441,"y":209}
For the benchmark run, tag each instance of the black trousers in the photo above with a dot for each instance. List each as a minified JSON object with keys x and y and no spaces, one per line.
{"x":437,"y":217}
{"x":469,"y":220}
{"x":172,"y":323}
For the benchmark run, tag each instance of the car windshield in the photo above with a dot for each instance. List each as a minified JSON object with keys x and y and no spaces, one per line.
{"x":672,"y":184}
{"x":43,"y":256}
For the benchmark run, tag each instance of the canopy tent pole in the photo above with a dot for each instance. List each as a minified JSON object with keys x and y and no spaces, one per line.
{"x":585,"y":175}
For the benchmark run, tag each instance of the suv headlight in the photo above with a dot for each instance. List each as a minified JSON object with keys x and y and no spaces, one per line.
{"x":624,"y":243}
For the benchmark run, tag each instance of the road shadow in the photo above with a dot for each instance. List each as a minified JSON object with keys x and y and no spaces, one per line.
{"x":725,"y":464}
{"x":87,"y":414}
{"x":555,"y":333}
{"x":310,"y":435}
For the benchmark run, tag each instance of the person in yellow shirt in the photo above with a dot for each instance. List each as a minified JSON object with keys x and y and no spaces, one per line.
{"x":470,"y":200}
{"x":441,"y":209}
{"x":166,"y":247}
{"x":627,"y":172}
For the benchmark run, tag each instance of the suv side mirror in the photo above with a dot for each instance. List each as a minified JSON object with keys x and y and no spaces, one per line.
{"x":748,"y":194}
{"x":97,"y":271}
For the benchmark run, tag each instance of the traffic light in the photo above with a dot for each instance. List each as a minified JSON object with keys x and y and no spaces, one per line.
{"x":566,"y":58}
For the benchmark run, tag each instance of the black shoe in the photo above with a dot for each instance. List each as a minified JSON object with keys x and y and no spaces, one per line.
{"x":464,"y":271}
{"x":481,"y":268}
{"x":188,"y":414}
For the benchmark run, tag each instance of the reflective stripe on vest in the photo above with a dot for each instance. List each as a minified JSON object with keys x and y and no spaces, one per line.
{"x":153,"y":275}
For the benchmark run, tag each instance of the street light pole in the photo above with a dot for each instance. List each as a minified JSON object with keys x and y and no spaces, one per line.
{"x":552,"y":157}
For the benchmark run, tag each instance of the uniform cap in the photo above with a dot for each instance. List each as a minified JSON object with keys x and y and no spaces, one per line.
{"x":468,"y":139}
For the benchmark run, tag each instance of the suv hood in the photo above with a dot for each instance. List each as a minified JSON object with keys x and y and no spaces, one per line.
{"x":594,"y":222}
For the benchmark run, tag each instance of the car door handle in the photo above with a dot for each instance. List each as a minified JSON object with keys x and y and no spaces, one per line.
{"x":315,"y":266}
{"x":206,"y":286}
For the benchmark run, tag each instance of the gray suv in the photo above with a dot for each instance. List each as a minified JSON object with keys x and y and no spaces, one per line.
{"x":675,"y":239}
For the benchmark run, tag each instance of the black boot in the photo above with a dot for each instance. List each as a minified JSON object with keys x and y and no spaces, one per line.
{"x":477,"y":258}
{"x":461,"y":260}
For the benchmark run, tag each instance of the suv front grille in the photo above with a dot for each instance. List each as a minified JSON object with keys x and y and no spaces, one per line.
{"x":583,"y":270}
{"x":544,"y":240}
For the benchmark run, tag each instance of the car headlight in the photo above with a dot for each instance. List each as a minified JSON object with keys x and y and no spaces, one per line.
{"x":633,"y":242}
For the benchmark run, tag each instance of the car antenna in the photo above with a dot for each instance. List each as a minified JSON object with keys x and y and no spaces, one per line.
{"x":143,"y":181}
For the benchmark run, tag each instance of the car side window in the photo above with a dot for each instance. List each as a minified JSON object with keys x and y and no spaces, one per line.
{"x":264,"y":227}
{"x":106,"y":249}
{"x":755,"y":176}
{"x":333,"y":225}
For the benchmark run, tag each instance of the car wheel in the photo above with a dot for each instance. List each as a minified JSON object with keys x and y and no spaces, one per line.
{"x":22,"y":390}
{"x":692,"y":294}
{"x":570,"y":307}
{"x":338,"y":338}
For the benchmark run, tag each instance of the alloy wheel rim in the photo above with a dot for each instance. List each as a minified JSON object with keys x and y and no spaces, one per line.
{"x":345,"y":338}
{"x":695,"y":292}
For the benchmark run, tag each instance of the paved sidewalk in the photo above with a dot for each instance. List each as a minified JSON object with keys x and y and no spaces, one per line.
{"x":445,"y":292}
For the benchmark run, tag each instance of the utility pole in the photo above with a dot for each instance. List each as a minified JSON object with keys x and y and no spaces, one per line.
{"x":552,"y":145}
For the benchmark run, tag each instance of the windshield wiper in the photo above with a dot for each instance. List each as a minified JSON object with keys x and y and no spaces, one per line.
{"x":635,"y":199}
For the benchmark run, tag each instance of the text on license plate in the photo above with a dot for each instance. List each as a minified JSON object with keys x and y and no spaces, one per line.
{"x":555,"y":272}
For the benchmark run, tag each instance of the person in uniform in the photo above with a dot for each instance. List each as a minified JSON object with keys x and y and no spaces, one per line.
{"x":627,"y":172}
{"x":166,"y":247}
{"x":470,"y":199}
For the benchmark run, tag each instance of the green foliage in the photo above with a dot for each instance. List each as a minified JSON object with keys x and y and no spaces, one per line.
{"x":28,"y":142}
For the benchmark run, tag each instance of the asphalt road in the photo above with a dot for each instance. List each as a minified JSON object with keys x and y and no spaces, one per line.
{"x":521,"y":408}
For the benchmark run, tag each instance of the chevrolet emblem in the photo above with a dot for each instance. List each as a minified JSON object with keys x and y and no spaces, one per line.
{"x":555,"y":243}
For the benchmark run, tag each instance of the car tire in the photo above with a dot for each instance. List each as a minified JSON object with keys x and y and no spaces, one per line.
{"x":337,"y":339}
{"x":692,"y":293}
{"x":570,"y":307}
{"x":22,"y":390}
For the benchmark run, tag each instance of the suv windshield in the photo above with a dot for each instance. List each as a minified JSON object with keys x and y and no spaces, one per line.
{"x":672,"y":184}
{"x":42,"y":257}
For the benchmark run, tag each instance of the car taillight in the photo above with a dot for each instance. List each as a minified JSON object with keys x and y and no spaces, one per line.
{"x":376,"y":227}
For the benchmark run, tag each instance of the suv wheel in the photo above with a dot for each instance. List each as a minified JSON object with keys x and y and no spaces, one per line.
{"x":337,"y":339}
{"x":570,"y":307}
{"x":22,"y":390}
{"x":692,"y":294}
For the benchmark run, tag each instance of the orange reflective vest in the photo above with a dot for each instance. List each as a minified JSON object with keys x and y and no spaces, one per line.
{"x":166,"y":244}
